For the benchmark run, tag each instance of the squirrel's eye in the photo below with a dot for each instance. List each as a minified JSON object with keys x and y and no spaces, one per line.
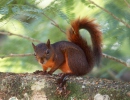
{"x":47,"y":51}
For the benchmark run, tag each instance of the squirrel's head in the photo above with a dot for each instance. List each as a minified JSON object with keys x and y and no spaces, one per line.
{"x":43,"y":52}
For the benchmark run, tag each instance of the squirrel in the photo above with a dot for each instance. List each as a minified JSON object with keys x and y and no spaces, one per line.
{"x":74,"y":57}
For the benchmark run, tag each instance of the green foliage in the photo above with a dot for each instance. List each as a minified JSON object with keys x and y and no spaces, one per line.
{"x":26,"y":17}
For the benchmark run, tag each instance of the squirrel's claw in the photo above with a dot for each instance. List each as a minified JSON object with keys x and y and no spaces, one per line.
{"x":40,"y":72}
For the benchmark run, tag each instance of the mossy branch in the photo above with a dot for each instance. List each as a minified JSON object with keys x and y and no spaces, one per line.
{"x":28,"y":86}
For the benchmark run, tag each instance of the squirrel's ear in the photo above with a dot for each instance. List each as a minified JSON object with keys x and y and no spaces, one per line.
{"x":33,"y":46}
{"x":48,"y":43}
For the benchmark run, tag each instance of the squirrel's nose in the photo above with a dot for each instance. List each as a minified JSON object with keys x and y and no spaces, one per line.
{"x":41,"y":62}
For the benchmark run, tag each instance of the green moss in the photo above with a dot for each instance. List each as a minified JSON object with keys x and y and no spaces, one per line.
{"x":15,"y":88}
{"x":75,"y":92}
{"x":114,"y":94}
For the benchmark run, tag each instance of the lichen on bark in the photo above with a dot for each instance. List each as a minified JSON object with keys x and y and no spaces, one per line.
{"x":28,"y":86}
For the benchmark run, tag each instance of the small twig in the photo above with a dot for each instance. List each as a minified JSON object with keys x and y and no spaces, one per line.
{"x":25,"y":37}
{"x":115,"y":59}
{"x":54,"y":23}
{"x":126,"y":24}
{"x":113,"y":75}
{"x":17,"y":55}
{"x":127,"y":3}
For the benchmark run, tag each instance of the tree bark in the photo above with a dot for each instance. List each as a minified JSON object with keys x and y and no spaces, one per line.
{"x":28,"y":86}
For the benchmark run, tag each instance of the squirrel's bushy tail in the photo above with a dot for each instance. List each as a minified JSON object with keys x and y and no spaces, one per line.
{"x":92,"y":55}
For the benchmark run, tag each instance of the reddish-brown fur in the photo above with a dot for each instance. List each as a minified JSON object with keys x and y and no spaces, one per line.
{"x":65,"y":67}
{"x":74,"y":36}
{"x":49,"y":64}
{"x":74,"y":57}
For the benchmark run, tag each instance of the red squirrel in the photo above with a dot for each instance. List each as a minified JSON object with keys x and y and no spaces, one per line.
{"x":73,"y":57}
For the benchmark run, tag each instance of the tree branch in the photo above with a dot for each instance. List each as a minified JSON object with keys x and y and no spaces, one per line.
{"x":17,"y":55}
{"x":126,"y":24}
{"x":115,"y":59}
{"x":22,"y":36}
{"x":28,"y":86}
{"x":127,"y":3}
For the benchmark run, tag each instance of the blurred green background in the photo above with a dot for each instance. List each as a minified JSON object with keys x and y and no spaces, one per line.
{"x":26,"y":17}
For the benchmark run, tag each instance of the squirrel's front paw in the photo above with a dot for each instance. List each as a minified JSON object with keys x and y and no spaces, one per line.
{"x":40,"y":72}
{"x":37,"y":71}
